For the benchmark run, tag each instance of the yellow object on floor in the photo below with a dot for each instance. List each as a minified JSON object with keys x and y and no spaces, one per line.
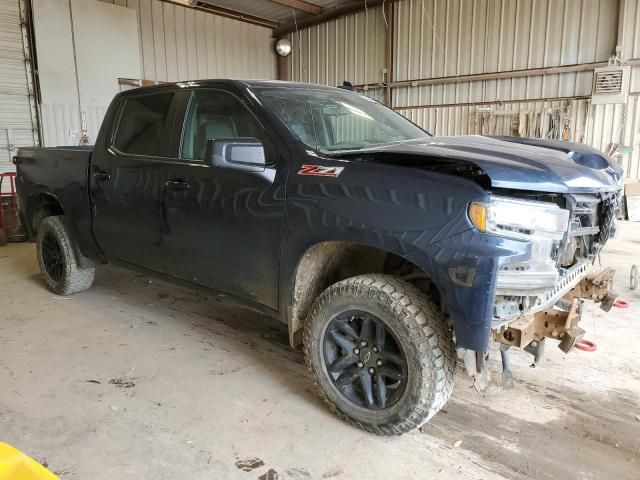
{"x":15,"y":465}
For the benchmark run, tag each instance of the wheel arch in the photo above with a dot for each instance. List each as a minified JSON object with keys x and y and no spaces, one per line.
{"x":41,"y":200}
{"x":327,"y":262}
{"x":43,"y":204}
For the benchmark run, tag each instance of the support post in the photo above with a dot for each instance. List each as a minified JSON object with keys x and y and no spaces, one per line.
{"x":390,"y":57}
{"x":283,"y":67}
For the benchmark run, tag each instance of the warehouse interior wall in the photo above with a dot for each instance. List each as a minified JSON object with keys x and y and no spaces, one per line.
{"x":59,"y":103}
{"x":445,"y":39}
{"x":83,"y":47}
{"x":350,"y":48}
{"x":18,"y":119}
{"x":106,"y":42}
{"x":141,"y":40}
{"x":180,"y":43}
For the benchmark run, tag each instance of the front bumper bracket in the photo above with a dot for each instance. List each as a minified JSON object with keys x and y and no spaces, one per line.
{"x":558,"y":322}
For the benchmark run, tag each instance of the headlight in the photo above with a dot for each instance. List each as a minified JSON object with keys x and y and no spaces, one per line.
{"x":541,"y":223}
{"x":519,"y":218}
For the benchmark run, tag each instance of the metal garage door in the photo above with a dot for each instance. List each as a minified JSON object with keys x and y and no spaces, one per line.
{"x":16,"y":119}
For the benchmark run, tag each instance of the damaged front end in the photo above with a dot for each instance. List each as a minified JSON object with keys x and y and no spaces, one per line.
{"x":541,"y":296}
{"x":559,"y":322}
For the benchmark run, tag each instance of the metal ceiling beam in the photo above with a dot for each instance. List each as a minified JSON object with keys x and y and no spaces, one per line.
{"x":224,"y":12}
{"x":328,"y":15}
{"x":490,"y":102}
{"x":506,"y":74}
{"x":300,"y":5}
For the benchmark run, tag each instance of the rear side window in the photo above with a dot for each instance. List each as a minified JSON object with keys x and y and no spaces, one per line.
{"x":144,"y":127}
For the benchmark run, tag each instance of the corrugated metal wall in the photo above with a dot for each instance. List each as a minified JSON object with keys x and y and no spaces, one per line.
{"x":523,"y":118}
{"x":350,"y":48}
{"x":78,"y":79}
{"x":176,"y":43}
{"x":16,"y":124}
{"x":630,"y":39}
{"x":439,"y":38}
{"x":180,"y":43}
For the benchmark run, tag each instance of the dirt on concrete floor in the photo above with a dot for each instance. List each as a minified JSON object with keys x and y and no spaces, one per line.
{"x":139,"y":379}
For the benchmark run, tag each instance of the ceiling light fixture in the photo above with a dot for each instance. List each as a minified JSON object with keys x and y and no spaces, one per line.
{"x":283,"y":47}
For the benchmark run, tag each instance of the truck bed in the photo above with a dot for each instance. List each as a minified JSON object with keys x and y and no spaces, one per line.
{"x":58,"y":171}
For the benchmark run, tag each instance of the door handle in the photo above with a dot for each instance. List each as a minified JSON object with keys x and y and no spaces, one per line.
{"x":101,"y":176}
{"x":177,"y":185}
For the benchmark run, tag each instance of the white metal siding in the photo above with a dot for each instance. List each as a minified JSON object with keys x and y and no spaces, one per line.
{"x":79,"y":78}
{"x":437,"y":38}
{"x":350,"y":48}
{"x":16,"y":128}
{"x":506,"y":119}
{"x":180,"y":43}
{"x":629,"y":38}
{"x":173,"y":43}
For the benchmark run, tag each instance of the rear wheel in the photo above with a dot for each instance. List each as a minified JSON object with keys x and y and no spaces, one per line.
{"x":380,"y":353}
{"x":57,"y":258}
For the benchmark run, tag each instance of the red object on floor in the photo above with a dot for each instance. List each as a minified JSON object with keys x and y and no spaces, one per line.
{"x":9,"y":219}
{"x":621,"y":304}
{"x":586,"y":346}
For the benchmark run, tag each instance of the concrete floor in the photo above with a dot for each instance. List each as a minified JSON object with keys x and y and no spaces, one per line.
{"x":138,"y":379}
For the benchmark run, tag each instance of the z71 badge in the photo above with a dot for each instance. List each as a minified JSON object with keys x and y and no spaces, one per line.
{"x":320,"y":171}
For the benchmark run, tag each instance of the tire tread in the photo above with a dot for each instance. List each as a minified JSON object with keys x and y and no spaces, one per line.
{"x":76,"y":279}
{"x":427,"y":329}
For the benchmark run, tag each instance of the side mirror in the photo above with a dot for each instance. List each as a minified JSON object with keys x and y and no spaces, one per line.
{"x":239,"y":153}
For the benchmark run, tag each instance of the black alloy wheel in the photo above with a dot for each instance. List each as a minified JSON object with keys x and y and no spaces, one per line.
{"x":64,"y":268}
{"x":52,"y":257}
{"x":364,"y":360}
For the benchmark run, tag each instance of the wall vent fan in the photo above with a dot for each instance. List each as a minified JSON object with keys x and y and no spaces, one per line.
{"x":610,"y":85}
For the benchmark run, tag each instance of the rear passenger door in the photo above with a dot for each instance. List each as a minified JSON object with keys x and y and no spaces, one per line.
{"x":127,"y":179}
{"x":223,"y":225}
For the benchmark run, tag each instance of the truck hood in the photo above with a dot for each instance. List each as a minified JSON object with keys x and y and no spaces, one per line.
{"x":508,"y":162}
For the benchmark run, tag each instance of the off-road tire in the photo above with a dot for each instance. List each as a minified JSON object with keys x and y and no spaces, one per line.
{"x":74,"y":278}
{"x":422,"y":332}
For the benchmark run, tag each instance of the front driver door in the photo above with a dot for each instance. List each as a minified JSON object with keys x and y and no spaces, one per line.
{"x":223,"y":225}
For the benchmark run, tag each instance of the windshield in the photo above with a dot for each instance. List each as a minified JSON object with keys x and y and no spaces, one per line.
{"x":331,"y":120}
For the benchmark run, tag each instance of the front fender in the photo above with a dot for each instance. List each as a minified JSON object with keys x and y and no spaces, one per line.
{"x":465,"y":268}
{"x":418,"y":215}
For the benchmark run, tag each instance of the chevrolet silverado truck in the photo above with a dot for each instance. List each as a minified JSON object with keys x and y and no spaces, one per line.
{"x":387,"y":252}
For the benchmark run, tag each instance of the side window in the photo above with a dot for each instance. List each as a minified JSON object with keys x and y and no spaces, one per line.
{"x":216,"y":114}
{"x":144,"y":125}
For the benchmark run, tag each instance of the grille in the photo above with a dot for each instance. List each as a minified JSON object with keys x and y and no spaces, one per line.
{"x":583,"y":226}
{"x":592,"y":223}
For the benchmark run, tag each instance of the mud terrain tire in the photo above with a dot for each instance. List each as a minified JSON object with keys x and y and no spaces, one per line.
{"x":419,"y":329}
{"x":57,"y":257}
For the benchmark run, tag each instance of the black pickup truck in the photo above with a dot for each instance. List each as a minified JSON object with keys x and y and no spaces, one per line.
{"x":385,"y":250}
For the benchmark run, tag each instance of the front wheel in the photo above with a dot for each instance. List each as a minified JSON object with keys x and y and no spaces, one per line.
{"x":381,"y":353}
{"x":57,"y":258}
